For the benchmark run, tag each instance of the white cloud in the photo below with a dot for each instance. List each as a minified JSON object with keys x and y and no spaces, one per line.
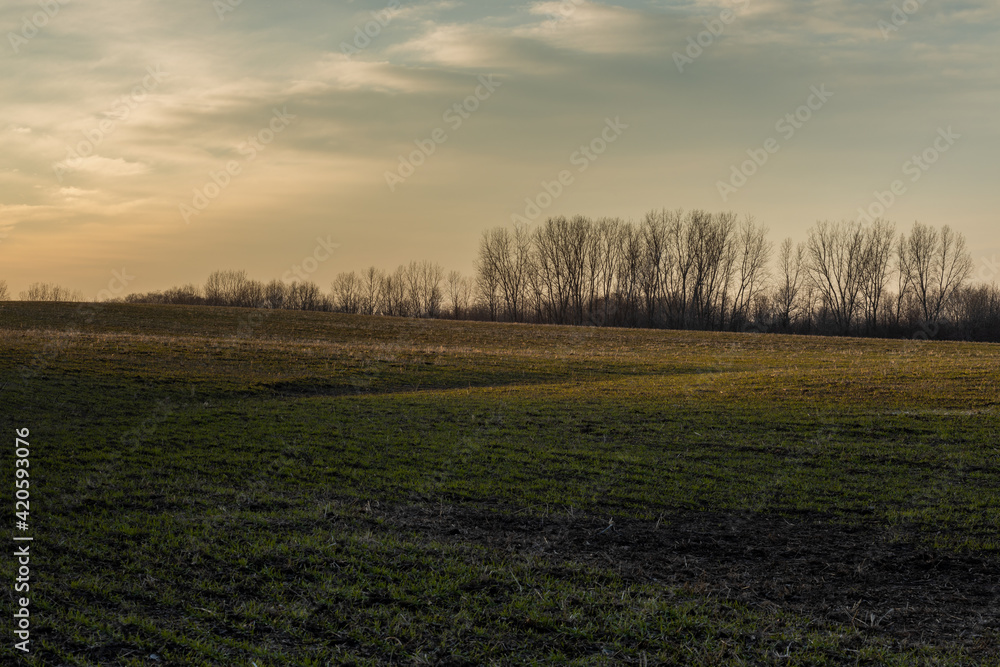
{"x":97,"y":164}
{"x":526,"y":41}
{"x":412,"y":11}
{"x":73,"y":193}
{"x":590,"y":27}
{"x":340,"y":72}
{"x":455,"y":45}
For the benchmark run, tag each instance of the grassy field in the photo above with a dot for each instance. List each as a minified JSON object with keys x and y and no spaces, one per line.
{"x":228,"y":487}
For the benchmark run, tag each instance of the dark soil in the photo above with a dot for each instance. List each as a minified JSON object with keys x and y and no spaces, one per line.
{"x":876,"y":580}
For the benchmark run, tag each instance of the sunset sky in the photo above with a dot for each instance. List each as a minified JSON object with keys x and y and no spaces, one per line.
{"x":173,"y":138}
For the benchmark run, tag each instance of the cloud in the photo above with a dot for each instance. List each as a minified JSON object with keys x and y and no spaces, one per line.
{"x":463,"y":46}
{"x":340,"y":72}
{"x":565,"y":65}
{"x":413,"y":11}
{"x":530,"y":40}
{"x":73,"y":193}
{"x":104,"y":166}
{"x":589,"y":27}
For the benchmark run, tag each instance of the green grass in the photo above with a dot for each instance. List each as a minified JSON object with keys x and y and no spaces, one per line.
{"x":217,"y":486}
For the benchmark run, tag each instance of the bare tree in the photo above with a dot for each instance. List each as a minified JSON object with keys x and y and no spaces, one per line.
{"x":629,"y":272}
{"x":188,"y":295}
{"x":311,"y":296}
{"x":904,"y":285}
{"x":939,"y":266}
{"x":836,"y":262}
{"x":653,"y":231}
{"x":49,"y":292}
{"x":459,"y":294}
{"x":346,"y":292}
{"x":431,"y":294}
{"x":493,"y":250}
{"x":754,"y":251}
{"x":507,"y":255}
{"x":252,"y":294}
{"x":576,"y":247}
{"x":713,"y":251}
{"x":607,"y":256}
{"x":422,"y":282}
{"x":536,"y":297}
{"x":371,"y":282}
{"x":488,"y":292}
{"x":3,"y":290}
{"x":274,"y":295}
{"x":679,"y":269}
{"x":214,"y":290}
{"x":791,"y":264}
{"x":394,"y":293}
{"x":303,"y":296}
{"x":876,"y":263}
{"x":229,"y":288}
{"x":552,"y":260}
{"x":412,"y":281}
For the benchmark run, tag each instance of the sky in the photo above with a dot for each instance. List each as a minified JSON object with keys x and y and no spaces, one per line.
{"x":144,"y":144}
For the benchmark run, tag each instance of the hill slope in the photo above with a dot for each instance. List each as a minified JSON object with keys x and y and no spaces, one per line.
{"x":226,"y":486}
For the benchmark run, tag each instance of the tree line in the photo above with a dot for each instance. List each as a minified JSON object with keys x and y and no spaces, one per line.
{"x":43,"y":292}
{"x":419,"y":289}
{"x":699,"y":270}
{"x":671,"y":269}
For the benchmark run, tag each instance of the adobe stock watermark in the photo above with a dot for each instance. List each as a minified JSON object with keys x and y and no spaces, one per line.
{"x":786,"y":126}
{"x":223,"y":7}
{"x":989,"y":269}
{"x":455,"y":116}
{"x":714,"y":29}
{"x":928,"y":331}
{"x":310,"y":263}
{"x":915,"y":168}
{"x":114,"y":117}
{"x":220,"y":180}
{"x":30,"y":27}
{"x":900,"y":16}
{"x":581,"y":158}
{"x":22,"y":511}
{"x":363,"y":35}
{"x":564,"y":10}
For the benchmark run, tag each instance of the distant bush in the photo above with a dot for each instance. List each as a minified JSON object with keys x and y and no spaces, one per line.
{"x":49,"y":292}
{"x":188,"y":295}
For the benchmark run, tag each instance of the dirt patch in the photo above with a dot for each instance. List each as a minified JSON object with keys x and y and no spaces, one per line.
{"x":862,"y":576}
